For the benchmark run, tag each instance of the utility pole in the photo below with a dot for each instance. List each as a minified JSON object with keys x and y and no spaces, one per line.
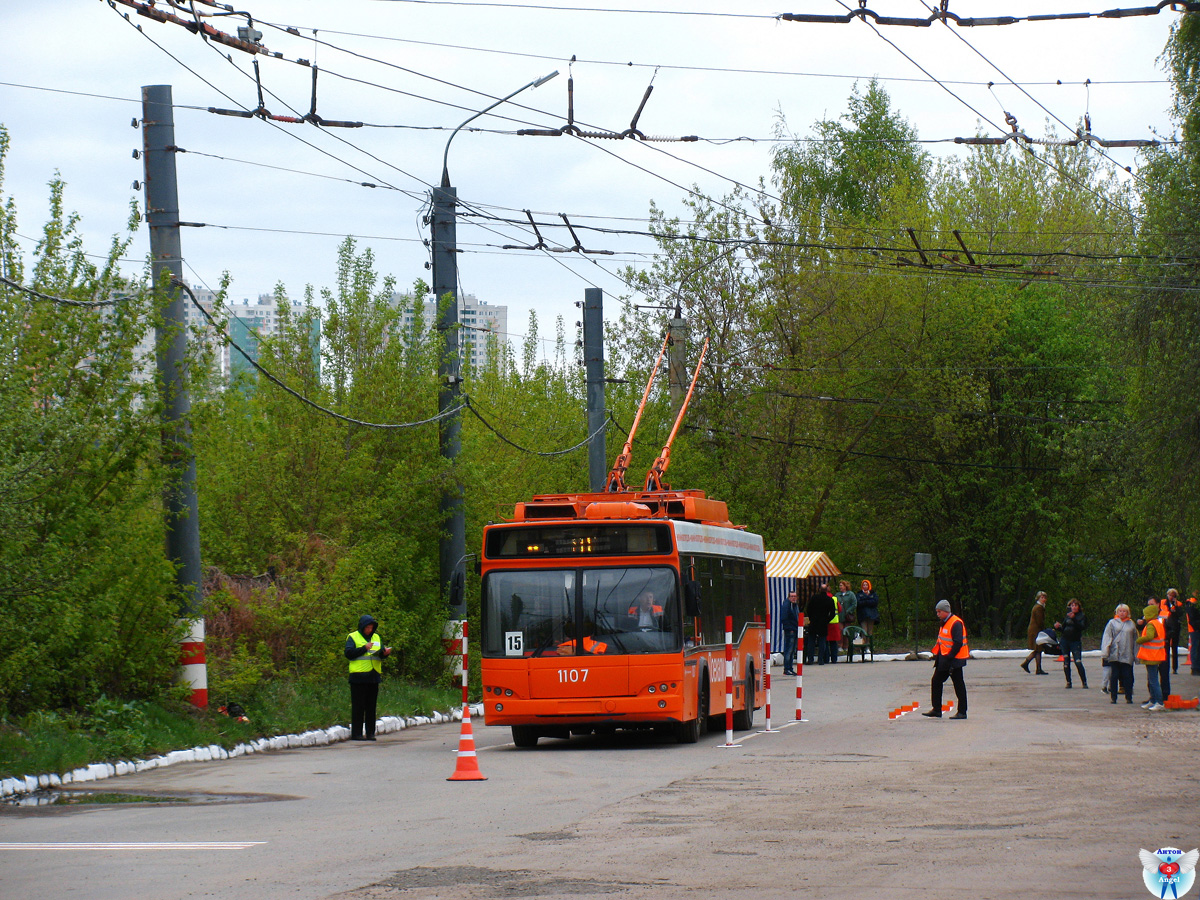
{"x":677,"y":360}
{"x":593,"y":359}
{"x":179,"y":496}
{"x":453,"y":547}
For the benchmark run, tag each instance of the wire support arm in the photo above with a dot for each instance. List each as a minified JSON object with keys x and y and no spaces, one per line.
{"x":943,"y":14}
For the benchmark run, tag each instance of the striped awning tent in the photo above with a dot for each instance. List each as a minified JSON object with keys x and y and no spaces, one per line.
{"x":784,"y":569}
{"x":800,"y":564}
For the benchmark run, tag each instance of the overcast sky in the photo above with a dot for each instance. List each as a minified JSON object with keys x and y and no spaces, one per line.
{"x":422,"y":66}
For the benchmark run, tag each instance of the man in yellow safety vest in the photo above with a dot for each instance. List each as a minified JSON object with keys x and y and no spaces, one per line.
{"x":365,"y":650}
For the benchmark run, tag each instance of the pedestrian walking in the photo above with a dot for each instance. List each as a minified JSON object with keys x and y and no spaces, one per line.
{"x":1152,"y":652}
{"x":365,"y":650}
{"x":1037,"y":621}
{"x":1070,"y":640}
{"x":1118,"y":650}
{"x":790,"y":623}
{"x":949,"y":658}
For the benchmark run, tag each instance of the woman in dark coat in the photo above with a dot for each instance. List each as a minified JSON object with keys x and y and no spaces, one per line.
{"x":1070,"y":639}
{"x":1037,"y":621}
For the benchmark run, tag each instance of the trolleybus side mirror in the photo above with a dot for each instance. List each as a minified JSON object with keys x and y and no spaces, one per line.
{"x":456,"y":591}
{"x":691,"y":598}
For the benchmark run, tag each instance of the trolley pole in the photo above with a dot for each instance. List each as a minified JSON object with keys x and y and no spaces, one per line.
{"x":179,"y":495}
{"x":593,"y":358}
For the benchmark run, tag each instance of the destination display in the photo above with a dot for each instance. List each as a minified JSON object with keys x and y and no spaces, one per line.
{"x":577,"y":540}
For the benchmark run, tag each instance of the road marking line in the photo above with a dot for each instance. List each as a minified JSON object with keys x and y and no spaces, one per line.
{"x":130,"y":845}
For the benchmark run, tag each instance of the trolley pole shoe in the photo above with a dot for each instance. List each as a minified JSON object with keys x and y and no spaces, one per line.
{"x":467,"y":766}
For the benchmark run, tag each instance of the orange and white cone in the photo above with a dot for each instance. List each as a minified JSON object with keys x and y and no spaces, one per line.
{"x":467,"y":767}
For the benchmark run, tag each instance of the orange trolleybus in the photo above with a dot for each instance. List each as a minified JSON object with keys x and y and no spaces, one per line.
{"x":608,"y":610}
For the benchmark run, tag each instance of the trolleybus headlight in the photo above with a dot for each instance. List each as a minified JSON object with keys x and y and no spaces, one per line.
{"x":508,"y":692}
{"x":651,"y":689}
{"x":663,"y":688}
{"x":662,"y":704}
{"x":499,"y":707}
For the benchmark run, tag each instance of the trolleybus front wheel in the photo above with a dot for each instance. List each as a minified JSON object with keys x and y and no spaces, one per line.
{"x":689,"y":732}
{"x":525,"y":735}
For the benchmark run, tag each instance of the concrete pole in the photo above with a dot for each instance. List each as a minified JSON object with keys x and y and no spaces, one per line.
{"x":593,"y":357}
{"x":453,"y":546}
{"x":677,"y":373}
{"x":179,"y":497}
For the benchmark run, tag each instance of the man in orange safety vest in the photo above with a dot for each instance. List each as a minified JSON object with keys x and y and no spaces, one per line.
{"x":949,"y":658}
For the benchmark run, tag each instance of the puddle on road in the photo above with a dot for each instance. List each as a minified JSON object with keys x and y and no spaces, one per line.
{"x":66,"y":798}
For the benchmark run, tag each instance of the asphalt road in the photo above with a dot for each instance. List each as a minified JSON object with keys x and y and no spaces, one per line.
{"x":1042,"y":790}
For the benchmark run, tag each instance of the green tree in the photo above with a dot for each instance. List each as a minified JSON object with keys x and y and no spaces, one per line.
{"x":86,"y":597}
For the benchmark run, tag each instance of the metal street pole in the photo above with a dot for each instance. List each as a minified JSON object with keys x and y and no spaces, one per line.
{"x":677,"y":360}
{"x":453,"y":547}
{"x":179,"y":496}
{"x":593,"y":358}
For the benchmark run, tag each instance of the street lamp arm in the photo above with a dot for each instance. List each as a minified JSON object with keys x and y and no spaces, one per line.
{"x":445,"y":156}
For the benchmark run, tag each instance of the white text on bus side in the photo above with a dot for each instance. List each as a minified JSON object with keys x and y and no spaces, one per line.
{"x":572,"y":676}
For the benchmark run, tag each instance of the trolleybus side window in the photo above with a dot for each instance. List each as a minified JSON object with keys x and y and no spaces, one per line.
{"x":731,"y":587}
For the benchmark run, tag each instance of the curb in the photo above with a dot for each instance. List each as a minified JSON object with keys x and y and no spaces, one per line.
{"x":27,"y":784}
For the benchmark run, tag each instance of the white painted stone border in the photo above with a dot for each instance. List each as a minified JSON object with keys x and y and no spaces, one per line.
{"x":11,"y":787}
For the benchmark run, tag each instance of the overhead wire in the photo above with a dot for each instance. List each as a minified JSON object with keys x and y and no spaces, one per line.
{"x":987,"y":119}
{"x":62,"y":301}
{"x":464,"y":403}
{"x":204,"y":80}
{"x":726,"y":70}
{"x":1041,"y":105}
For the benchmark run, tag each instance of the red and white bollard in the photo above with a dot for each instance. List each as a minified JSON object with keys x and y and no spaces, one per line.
{"x":767,"y":674}
{"x":464,"y":665}
{"x":800,"y":674}
{"x":729,"y":684}
{"x":193,"y":669}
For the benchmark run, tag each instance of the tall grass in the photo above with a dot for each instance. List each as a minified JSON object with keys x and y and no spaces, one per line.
{"x":109,"y":730}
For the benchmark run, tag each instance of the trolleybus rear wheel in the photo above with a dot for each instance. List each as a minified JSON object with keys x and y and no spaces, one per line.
{"x":525,"y":735}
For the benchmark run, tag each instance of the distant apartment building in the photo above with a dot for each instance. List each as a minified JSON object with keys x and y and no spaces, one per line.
{"x":247,"y":322}
{"x":483,"y":325}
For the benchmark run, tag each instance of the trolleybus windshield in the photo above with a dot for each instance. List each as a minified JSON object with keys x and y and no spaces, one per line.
{"x":581,"y":612}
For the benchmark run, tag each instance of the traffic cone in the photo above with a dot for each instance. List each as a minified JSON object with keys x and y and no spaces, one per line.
{"x":467,"y":766}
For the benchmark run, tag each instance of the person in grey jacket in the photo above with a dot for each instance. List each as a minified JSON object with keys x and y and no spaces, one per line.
{"x":1118,"y":649}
